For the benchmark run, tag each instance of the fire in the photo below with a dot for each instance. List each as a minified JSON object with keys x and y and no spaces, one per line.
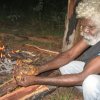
{"x":1,"y":55}
{"x":10,"y":58}
{"x":5,"y":53}
{"x":6,"y":63}
{"x":2,"y":48}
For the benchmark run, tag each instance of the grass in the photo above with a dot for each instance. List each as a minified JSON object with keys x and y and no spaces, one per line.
{"x":64,"y":93}
{"x":68,"y":95}
{"x":62,"y":97}
{"x":35,"y":29}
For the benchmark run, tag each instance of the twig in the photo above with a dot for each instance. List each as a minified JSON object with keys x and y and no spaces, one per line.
{"x":34,"y":47}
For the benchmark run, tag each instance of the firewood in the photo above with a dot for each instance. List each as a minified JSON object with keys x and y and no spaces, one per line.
{"x":25,"y":92}
{"x":11,"y":91}
{"x":7,"y":87}
{"x":36,"y":48}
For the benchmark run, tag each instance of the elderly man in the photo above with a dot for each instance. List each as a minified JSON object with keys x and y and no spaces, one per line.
{"x":84,"y":73}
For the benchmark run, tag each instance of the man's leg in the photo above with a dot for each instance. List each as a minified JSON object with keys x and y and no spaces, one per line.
{"x":72,"y":68}
{"x":91,"y":87}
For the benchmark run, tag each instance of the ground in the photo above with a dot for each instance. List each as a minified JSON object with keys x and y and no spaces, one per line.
{"x":65,"y":93}
{"x":50,"y":43}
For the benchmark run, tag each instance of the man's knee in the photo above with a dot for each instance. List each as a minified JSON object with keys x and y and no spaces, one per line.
{"x":91,"y":87}
{"x":72,"y":67}
{"x":91,"y":83}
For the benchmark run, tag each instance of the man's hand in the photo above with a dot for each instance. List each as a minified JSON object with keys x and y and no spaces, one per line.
{"x":24,"y":73}
{"x":24,"y":79}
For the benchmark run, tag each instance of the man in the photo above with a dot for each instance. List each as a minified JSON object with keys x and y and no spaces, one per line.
{"x":76,"y":72}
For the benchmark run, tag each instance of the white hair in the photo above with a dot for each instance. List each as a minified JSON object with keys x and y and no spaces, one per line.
{"x":89,"y":9}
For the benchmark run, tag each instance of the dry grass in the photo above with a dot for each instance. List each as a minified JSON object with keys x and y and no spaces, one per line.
{"x":64,"y":93}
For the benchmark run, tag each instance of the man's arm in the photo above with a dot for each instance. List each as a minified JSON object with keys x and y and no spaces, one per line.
{"x":93,"y":67}
{"x":65,"y":57}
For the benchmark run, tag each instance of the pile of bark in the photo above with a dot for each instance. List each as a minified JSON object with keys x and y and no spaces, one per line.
{"x":9,"y":90}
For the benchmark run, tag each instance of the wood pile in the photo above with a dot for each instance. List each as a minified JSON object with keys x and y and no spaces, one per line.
{"x":9,"y":90}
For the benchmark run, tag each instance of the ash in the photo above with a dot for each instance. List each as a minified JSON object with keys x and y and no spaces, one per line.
{"x":6,"y":65}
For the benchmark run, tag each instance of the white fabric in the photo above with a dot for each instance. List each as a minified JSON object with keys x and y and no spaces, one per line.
{"x":90,"y":86}
{"x":72,"y":67}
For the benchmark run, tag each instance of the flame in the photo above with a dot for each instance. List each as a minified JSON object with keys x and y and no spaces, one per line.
{"x":13,"y":51}
{"x":5,"y":53}
{"x":1,"y":55}
{"x":1,"y":51}
{"x":2,"y":48}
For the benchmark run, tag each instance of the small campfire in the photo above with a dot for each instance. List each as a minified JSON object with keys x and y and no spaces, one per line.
{"x":23,"y":61}
{"x":6,"y":64}
{"x":8,"y":58}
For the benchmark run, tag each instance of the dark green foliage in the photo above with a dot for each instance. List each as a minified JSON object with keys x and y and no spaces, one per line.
{"x":41,"y":13}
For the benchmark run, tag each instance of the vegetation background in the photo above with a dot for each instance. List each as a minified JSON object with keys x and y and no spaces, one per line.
{"x":33,"y":16}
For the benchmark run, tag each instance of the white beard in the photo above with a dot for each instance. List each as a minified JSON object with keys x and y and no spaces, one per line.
{"x":91,"y":39}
